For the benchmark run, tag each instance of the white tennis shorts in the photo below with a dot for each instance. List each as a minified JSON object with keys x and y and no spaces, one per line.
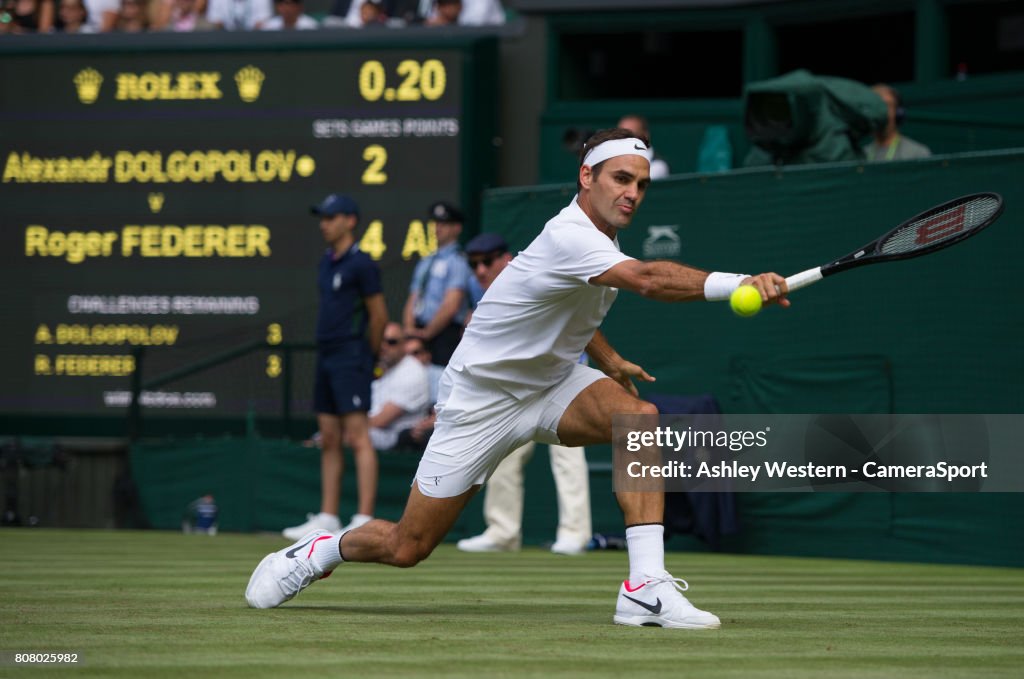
{"x":478,"y":424}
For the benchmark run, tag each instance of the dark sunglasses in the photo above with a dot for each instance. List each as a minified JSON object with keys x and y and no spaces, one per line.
{"x":486,"y":260}
{"x":391,"y":340}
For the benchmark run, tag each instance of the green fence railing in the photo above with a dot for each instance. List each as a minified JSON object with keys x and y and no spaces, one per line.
{"x":282,"y":424}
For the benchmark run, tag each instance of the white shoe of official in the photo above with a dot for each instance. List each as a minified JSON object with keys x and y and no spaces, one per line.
{"x":568,"y":547}
{"x":356,"y":521}
{"x":321,"y":521}
{"x":659,"y":603}
{"x":482,"y":543}
{"x":283,"y":574}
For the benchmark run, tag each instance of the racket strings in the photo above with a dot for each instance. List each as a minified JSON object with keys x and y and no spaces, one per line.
{"x":934,"y":228}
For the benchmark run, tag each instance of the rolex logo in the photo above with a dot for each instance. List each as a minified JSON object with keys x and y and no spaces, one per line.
{"x":87,"y":82}
{"x":156,"y":202}
{"x":249,"y":80}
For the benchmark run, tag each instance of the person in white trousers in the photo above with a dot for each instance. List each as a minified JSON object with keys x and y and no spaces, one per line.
{"x":503,"y":503}
{"x":503,"y":500}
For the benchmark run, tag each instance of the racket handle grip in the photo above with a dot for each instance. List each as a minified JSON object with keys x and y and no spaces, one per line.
{"x":804,"y":278}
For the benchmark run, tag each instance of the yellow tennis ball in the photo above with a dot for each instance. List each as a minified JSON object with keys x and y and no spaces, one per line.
{"x":745,"y":300}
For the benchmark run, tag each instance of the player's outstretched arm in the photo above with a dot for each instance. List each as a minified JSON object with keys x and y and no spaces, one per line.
{"x":673,"y":282}
{"x":660,"y":280}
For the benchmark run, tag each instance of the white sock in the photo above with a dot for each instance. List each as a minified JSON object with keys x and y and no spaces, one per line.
{"x":646,"y":545}
{"x":327,"y":554}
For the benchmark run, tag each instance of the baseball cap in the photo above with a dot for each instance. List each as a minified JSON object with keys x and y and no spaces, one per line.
{"x":335,"y":204}
{"x":445,"y":212}
{"x":486,"y":242}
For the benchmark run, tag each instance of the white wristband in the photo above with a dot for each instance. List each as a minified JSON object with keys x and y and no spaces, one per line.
{"x":719,"y":285}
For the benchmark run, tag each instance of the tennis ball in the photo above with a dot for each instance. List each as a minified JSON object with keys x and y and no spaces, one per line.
{"x":745,"y":300}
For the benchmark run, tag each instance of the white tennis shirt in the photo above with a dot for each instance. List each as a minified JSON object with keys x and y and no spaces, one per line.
{"x":540,"y":313}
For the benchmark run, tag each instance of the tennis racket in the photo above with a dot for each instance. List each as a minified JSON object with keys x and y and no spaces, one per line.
{"x":932,"y":230}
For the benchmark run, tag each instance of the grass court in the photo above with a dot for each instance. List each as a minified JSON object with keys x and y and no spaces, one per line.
{"x":161,"y":604}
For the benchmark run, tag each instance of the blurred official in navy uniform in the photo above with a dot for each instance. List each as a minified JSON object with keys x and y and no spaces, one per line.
{"x":349,"y":329}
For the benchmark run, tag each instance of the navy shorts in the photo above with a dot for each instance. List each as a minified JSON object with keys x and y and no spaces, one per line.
{"x":342,"y":382}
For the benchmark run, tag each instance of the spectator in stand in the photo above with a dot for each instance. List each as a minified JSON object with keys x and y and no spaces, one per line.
{"x":373,"y":14}
{"x":401,"y":395}
{"x":445,"y":13}
{"x":27,"y":16}
{"x":358,"y":13}
{"x":487,"y":256}
{"x":133,"y":17}
{"x":417,"y":348}
{"x":102,"y":14}
{"x":471,"y":12}
{"x":437,"y":304}
{"x":416,"y":437}
{"x":239,"y":15}
{"x":184,"y":16}
{"x":637,"y":124}
{"x":290,"y":15}
{"x":73,"y":17}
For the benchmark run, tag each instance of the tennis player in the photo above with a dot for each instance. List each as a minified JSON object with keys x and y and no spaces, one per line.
{"x":515,"y":377}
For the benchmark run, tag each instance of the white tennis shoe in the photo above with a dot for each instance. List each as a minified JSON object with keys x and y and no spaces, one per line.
{"x":283,"y":574}
{"x":568,"y":547}
{"x":483,"y":543}
{"x":659,"y":602}
{"x":321,"y":521}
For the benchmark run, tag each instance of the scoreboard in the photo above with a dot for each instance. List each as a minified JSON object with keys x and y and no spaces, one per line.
{"x":159,"y":201}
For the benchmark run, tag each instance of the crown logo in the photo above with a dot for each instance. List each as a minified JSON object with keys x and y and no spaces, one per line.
{"x":249,"y":80}
{"x":87,"y":82}
{"x":156,"y":202}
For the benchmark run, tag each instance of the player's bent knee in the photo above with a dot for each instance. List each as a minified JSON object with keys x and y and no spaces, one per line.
{"x":407,"y":549}
{"x":646,"y":408}
{"x":411,"y":553}
{"x":637,"y":407}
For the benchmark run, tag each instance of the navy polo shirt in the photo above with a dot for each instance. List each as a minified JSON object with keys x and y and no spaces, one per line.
{"x":344,"y":284}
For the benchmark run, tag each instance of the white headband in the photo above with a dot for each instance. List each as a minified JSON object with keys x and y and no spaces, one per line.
{"x":613,"y":148}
